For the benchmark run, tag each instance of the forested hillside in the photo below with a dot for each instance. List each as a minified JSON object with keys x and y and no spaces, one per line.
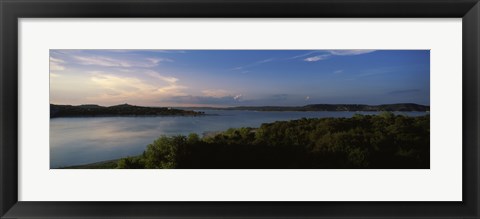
{"x":91,"y":110}
{"x":363,"y":141}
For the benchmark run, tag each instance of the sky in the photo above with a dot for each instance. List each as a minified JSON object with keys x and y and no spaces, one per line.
{"x":224,"y":78}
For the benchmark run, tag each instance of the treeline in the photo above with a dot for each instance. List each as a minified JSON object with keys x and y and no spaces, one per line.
{"x":340,"y":107}
{"x":89,"y":110}
{"x":363,"y":141}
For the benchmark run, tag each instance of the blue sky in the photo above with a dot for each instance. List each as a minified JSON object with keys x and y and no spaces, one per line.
{"x":224,"y":78}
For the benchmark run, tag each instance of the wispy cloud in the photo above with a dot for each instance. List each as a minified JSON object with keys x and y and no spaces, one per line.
{"x":330,"y":53}
{"x":238,"y":97}
{"x":317,"y":58}
{"x":304,"y":54}
{"x":114,"y":62}
{"x":191,"y":100}
{"x":350,"y":52}
{"x":101,"y":61}
{"x":155,"y":61}
{"x":263,"y":61}
{"x":56,"y":64}
{"x":53,"y":75}
{"x":56,"y":60}
{"x":56,"y":67}
{"x":216,"y":93}
{"x":157,"y":75}
{"x":338,"y":72}
{"x":169,"y":51}
{"x":172,"y":87}
{"x":115,"y":88}
{"x":147,"y":50}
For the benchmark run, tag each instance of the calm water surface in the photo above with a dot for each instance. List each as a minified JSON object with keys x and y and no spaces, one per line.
{"x":75,"y":141}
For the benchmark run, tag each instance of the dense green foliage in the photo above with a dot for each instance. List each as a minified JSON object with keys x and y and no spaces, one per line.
{"x":363,"y":141}
{"x":118,"y":110}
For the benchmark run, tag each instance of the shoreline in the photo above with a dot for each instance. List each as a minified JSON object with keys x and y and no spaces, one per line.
{"x":249,"y":110}
{"x":114,"y":163}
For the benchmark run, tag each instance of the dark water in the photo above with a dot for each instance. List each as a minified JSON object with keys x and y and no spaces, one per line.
{"x":75,"y":141}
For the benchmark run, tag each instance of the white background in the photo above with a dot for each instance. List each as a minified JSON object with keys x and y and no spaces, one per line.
{"x":440,"y":183}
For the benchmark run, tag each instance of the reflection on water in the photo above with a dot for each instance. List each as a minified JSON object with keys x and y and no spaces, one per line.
{"x":75,"y":141}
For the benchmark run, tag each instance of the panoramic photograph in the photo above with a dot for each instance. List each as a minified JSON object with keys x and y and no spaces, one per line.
{"x":239,"y":109}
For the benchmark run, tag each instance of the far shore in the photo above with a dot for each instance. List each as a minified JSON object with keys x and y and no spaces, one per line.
{"x":126,"y":110}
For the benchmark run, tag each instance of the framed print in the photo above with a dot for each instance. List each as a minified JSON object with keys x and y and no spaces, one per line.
{"x":239,"y":109}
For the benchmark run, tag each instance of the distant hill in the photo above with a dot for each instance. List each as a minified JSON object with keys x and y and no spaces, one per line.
{"x":339,"y":107}
{"x":89,"y":110}
{"x":118,"y":110}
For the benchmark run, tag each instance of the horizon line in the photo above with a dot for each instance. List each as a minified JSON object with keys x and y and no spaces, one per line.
{"x":241,"y":105}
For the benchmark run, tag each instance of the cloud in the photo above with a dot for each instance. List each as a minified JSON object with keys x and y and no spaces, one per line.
{"x":155,"y":61}
{"x":406,"y":91}
{"x":263,"y":61}
{"x":143,"y":50}
{"x":55,"y":64}
{"x":215,"y":93}
{"x":170,"y":89}
{"x":317,"y":58}
{"x":53,"y":75}
{"x":169,"y":51}
{"x":156,"y":75}
{"x":304,"y":54}
{"x":237,"y":97}
{"x":56,"y":67}
{"x":113,"y":62}
{"x":101,"y":61}
{"x":338,"y":72}
{"x":56,"y":60}
{"x":121,"y":84}
{"x":337,"y":53}
{"x":172,"y":86}
{"x":116,"y":89}
{"x":273,"y":100}
{"x":350,"y":52}
{"x":204,"y":100}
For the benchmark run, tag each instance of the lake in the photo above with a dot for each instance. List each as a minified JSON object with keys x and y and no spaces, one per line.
{"x":83,"y":140}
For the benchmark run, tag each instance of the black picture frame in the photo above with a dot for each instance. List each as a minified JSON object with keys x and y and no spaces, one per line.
{"x":12,"y":10}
